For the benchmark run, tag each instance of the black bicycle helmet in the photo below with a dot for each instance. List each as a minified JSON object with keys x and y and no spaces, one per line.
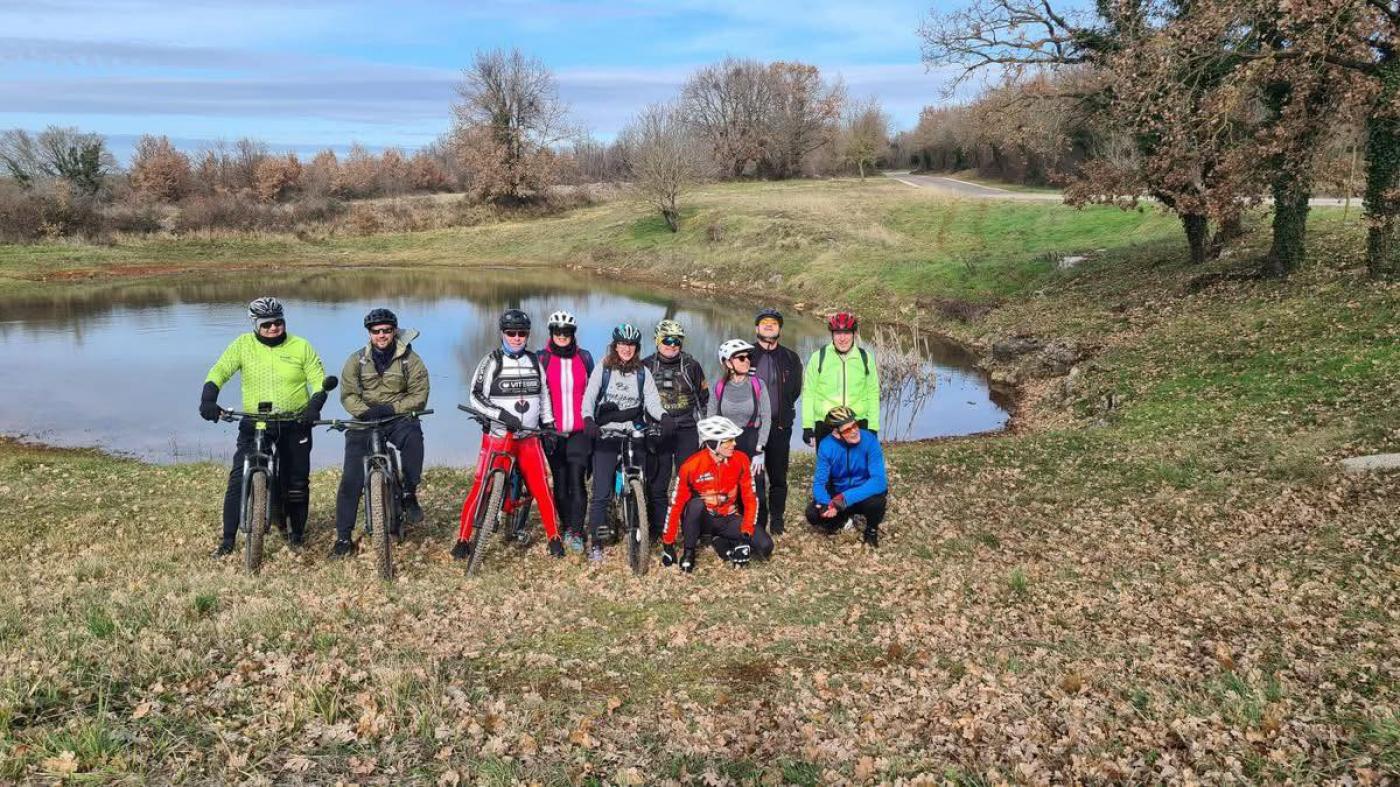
{"x":515,"y":320}
{"x":766,"y":313}
{"x":381,"y":317}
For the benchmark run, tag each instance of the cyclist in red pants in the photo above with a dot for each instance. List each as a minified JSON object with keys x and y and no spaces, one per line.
{"x":510,"y":389}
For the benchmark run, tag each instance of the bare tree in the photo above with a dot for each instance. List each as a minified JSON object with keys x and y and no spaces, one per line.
{"x":664,"y":159}
{"x":57,"y":153}
{"x":865,"y":135}
{"x":730,"y":106}
{"x":277,"y":177}
{"x":508,"y":117}
{"x":805,"y":114}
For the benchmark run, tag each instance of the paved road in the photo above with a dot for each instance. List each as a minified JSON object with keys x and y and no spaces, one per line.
{"x":961,"y":188}
{"x":953,"y":187}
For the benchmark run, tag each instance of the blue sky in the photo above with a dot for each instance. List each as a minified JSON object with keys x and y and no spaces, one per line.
{"x":305,"y":74}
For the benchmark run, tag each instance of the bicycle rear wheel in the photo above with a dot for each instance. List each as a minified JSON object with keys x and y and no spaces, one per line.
{"x":255,"y":517}
{"x":379,"y":510}
{"x":494,"y":494}
{"x":636,"y":530}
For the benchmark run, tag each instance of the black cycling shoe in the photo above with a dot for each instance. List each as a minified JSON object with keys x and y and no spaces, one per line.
{"x":776,"y":528}
{"x":688,"y":561}
{"x":224,"y":549}
{"x":462,"y":550}
{"x":412,"y":512}
{"x":871,"y":537}
{"x":556,"y":547}
{"x":296,"y":539}
{"x":343,"y":548}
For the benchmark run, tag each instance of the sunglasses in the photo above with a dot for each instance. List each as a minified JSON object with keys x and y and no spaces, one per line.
{"x":516,"y":334}
{"x":273,"y":324}
{"x":381,"y":331}
{"x":672,"y":341}
{"x":744,"y":358}
{"x":563,"y":331}
{"x":848,"y":429}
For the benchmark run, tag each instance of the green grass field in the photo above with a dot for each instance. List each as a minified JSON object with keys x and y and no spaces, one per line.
{"x":1180,"y":589}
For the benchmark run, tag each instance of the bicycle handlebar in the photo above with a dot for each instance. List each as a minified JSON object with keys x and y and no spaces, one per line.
{"x":487,"y":422}
{"x":358,"y":424}
{"x":233,"y":415}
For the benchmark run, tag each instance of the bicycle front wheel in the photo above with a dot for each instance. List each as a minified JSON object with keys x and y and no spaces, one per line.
{"x":637,"y":531}
{"x":379,"y":510}
{"x":256,"y":517}
{"x":494,"y":494}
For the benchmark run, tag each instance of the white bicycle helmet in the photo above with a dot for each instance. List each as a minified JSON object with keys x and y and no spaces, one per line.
{"x":733,"y":347}
{"x":265,"y":309}
{"x":717,"y":428}
{"x":562,"y":319}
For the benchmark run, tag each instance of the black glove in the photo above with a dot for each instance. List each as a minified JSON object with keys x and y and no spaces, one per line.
{"x":549,"y":439}
{"x":668,"y":555}
{"x":209,"y":402}
{"x":808,"y":435}
{"x":590,"y":428}
{"x":509,"y":421}
{"x":312,"y":413}
{"x":377,"y":411}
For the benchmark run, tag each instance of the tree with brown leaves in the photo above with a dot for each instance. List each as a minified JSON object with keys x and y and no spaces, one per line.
{"x":159,"y":172}
{"x":865,"y":135}
{"x":507,"y":118}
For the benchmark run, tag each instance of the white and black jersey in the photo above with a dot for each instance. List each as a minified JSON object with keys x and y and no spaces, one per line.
{"x":513,"y":384}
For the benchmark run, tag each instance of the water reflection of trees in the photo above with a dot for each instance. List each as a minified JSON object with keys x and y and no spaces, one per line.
{"x":907,"y":378}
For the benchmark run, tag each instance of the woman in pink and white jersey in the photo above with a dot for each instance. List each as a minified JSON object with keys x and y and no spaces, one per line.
{"x":566,"y":367}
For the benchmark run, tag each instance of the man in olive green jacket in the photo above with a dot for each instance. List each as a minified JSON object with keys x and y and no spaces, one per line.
{"x":384,"y":378}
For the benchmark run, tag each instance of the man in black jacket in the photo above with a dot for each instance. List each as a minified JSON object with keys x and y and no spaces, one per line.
{"x":781,"y":370}
{"x":684,"y":393}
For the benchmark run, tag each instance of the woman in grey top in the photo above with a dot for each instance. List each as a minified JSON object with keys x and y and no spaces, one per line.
{"x":741,"y":396}
{"x":618,"y":395}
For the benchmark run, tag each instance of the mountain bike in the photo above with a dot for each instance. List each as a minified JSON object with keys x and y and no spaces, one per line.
{"x":629,"y":502}
{"x":260,"y":494}
{"x":502,"y":483}
{"x":383,"y":492}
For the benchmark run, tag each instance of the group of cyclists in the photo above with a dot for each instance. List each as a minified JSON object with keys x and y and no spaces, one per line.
{"x":725,"y":445}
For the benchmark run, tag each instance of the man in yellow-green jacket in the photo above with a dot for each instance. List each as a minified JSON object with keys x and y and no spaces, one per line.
{"x":840,"y":374}
{"x":284,"y":372}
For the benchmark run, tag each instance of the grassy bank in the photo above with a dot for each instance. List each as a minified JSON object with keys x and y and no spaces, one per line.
{"x":1178,"y":588}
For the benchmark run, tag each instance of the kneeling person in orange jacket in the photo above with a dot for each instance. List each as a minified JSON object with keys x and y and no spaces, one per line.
{"x":715,"y":496}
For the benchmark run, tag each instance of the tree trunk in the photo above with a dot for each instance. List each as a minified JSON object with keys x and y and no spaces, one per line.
{"x":1230,"y":229}
{"x":1197,"y":229}
{"x":673,"y":219}
{"x":861,"y":165}
{"x":1382,"y":199}
{"x":1291,"y":191}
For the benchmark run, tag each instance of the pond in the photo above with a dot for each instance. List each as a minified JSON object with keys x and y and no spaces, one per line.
{"x":121,"y":367}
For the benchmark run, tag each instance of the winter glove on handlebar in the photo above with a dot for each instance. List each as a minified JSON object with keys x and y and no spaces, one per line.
{"x":509,"y":421}
{"x":377,"y":411}
{"x":590,"y":428}
{"x":549,"y":439}
{"x":809,"y":435}
{"x":312,"y":413}
{"x":209,"y":402}
{"x":668,"y":555}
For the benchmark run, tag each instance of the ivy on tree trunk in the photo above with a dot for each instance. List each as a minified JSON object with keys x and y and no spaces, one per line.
{"x":1382,"y":199}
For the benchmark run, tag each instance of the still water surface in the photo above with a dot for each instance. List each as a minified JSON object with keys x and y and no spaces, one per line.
{"x":121,"y":368}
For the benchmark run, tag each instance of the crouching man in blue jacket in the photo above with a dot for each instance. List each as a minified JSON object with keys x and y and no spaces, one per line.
{"x":850,"y":480}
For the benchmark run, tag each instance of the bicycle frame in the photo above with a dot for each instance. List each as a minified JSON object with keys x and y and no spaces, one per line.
{"x":263,"y":457}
